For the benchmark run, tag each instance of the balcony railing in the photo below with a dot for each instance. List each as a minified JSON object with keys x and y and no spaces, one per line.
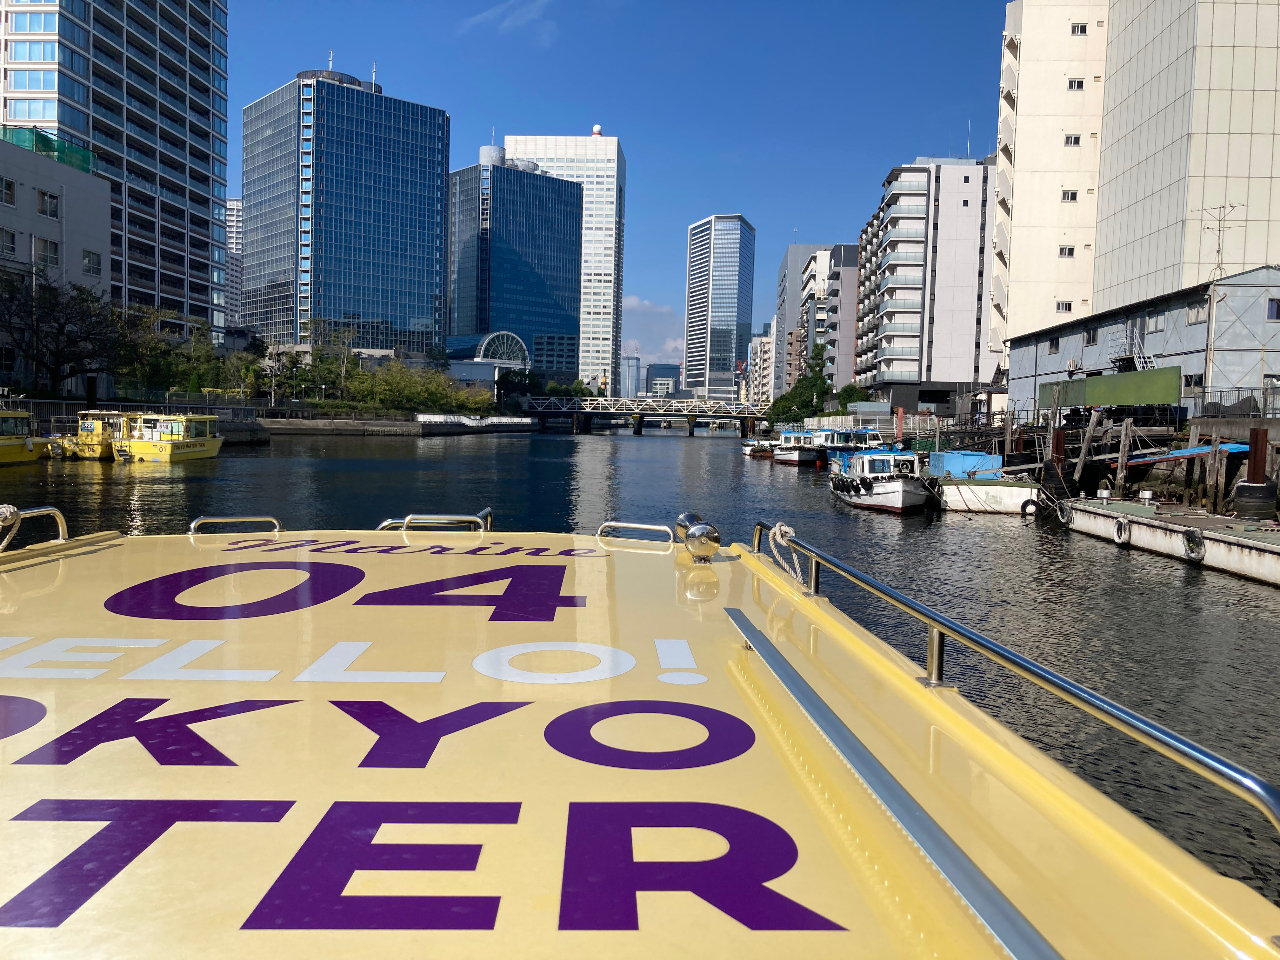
{"x":897,"y":376}
{"x":906,"y":186}
{"x":901,"y":280}
{"x":897,"y":352}
{"x":899,"y":329}
{"x":902,"y":233}
{"x":905,"y":210}
{"x":893,"y":305}
{"x":901,"y":256}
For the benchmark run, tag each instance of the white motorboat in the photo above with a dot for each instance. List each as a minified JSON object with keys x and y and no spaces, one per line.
{"x":880,"y":479}
{"x":797,"y":447}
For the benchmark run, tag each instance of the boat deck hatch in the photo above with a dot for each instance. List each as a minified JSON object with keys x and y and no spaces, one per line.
{"x":411,"y":743}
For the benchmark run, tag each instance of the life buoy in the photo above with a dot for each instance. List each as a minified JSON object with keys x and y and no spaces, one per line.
{"x":1030,"y":508}
{"x":1120,"y":533}
{"x":1064,"y":513}
{"x":1193,"y":545}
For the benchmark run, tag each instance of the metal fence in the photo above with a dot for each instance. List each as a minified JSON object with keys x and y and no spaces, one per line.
{"x":1236,"y":402}
{"x":68,"y":410}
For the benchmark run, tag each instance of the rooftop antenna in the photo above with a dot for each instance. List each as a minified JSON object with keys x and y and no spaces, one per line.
{"x":375,"y":73}
{"x":967,"y":137}
{"x":493,"y":135}
{"x":331,"y":59}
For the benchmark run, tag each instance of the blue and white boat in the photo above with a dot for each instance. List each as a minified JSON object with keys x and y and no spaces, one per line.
{"x":879,"y":479}
{"x":799,"y":446}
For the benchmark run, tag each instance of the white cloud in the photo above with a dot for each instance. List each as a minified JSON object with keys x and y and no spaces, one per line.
{"x":658,"y":328}
{"x":512,"y":15}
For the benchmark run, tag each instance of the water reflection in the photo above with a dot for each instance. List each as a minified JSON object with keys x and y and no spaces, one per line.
{"x":1193,"y":649}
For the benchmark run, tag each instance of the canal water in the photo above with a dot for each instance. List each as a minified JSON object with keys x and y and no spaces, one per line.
{"x":1195,"y":650}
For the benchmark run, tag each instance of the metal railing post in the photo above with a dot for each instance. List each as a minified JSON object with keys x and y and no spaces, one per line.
{"x":935,"y":658}
{"x":815,"y":568}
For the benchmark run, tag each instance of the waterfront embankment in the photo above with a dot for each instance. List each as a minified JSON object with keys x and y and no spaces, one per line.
{"x":425,"y":425}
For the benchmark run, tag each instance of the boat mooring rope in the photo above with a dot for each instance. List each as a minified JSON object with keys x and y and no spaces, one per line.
{"x":780,"y":535}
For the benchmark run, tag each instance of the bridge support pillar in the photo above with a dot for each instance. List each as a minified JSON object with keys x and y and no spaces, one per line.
{"x":637,"y":425}
{"x":691,"y":421}
{"x":748,"y":427}
{"x":577,"y":424}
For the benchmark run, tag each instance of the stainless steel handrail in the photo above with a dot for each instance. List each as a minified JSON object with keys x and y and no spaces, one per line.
{"x":1232,"y":777}
{"x":199,"y":522}
{"x":621,"y":525}
{"x":20,"y":515}
{"x":480,"y":521}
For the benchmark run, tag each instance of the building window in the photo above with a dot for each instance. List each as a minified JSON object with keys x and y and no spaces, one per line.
{"x":33,"y":23}
{"x":965,"y":202}
{"x":46,"y":252}
{"x":92,"y":263}
{"x":1155,"y":322}
{"x":33,"y":109}
{"x":1075,"y":83}
{"x":1064,"y":306}
{"x":1273,"y":305}
{"x":33,"y":79}
{"x":36,"y":51}
{"x":47,"y":204}
{"x":1079,"y":29}
{"x":8,"y":193}
{"x":1091,"y":337}
{"x":1071,"y":140}
{"x":1053,"y":345}
{"x":1069,"y":196}
{"x":966,"y":179}
{"x":8,"y":244}
{"x":1067,"y":252}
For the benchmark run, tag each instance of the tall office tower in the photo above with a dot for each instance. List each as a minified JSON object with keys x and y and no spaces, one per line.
{"x":515,"y":260}
{"x":839,"y":358}
{"x":718,"y":300}
{"x":629,"y":385}
{"x":1188,"y":140}
{"x":790,"y":332}
{"x":923,"y":314}
{"x":345,"y":197}
{"x":598,"y":164}
{"x":158,"y":132}
{"x":235,"y":259}
{"x":1051,"y":92}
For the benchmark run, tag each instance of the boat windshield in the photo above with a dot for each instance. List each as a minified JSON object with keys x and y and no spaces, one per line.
{"x":11,"y":426}
{"x":880,"y":465}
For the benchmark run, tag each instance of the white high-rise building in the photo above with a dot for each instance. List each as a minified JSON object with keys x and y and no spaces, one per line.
{"x":762,"y":366}
{"x":597,"y":162}
{"x":1053,"y":60}
{"x":718,"y":302}
{"x":235,"y":258}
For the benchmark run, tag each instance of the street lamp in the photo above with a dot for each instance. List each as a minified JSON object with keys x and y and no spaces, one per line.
{"x":322,"y":393}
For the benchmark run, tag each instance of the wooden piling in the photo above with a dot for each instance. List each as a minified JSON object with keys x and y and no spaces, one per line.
{"x":1211,"y":475}
{"x":1257,"y":455}
{"x":1188,"y":477}
{"x":1085,"y":443}
{"x":1122,"y":467}
{"x":1008,"y":433}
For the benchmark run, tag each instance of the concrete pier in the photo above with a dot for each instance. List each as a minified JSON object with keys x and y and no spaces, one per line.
{"x":1246,"y":548}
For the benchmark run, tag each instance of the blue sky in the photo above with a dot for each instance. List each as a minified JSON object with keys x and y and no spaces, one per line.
{"x":788,"y":113}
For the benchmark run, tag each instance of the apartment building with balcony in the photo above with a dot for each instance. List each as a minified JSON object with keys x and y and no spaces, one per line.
{"x":922,"y":313}
{"x":1053,"y":58}
{"x":144,"y":87}
{"x":813,"y":306}
{"x":839,"y":359}
{"x":761,"y":367}
{"x":791,"y":330}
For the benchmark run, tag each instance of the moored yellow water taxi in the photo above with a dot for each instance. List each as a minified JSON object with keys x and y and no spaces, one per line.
{"x":425,"y":742}
{"x":96,"y":433}
{"x":17,"y":445}
{"x":167,"y":438}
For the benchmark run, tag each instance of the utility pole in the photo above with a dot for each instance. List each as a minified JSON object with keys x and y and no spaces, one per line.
{"x":1218,"y":214}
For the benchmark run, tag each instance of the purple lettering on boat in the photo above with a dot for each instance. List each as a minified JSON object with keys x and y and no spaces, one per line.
{"x":602,"y":876}
{"x":170,"y":740}
{"x":158,"y":599}
{"x":727,"y":736}
{"x":131,"y":827}
{"x":404,"y":742}
{"x":532,"y":593}
{"x":308,"y":894}
{"x":18,"y":714}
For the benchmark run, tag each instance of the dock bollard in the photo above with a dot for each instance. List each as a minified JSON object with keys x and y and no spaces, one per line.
{"x":935,"y":657}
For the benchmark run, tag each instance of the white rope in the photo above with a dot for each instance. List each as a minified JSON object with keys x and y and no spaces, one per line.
{"x":8,"y":514}
{"x":780,"y":535}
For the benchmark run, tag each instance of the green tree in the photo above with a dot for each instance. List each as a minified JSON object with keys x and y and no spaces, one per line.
{"x":851,"y":393}
{"x":807,"y":397}
{"x":62,"y":331}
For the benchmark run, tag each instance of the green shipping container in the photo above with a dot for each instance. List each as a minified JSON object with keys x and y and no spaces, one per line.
{"x":1140,"y":388}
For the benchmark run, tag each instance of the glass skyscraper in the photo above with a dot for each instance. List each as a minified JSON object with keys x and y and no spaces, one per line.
{"x":345,"y":194}
{"x":597,"y":162}
{"x":718,"y":301}
{"x":515,"y":251}
{"x":147,"y":93}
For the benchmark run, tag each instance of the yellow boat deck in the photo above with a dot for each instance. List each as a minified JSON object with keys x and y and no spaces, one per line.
{"x":508,"y":745}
